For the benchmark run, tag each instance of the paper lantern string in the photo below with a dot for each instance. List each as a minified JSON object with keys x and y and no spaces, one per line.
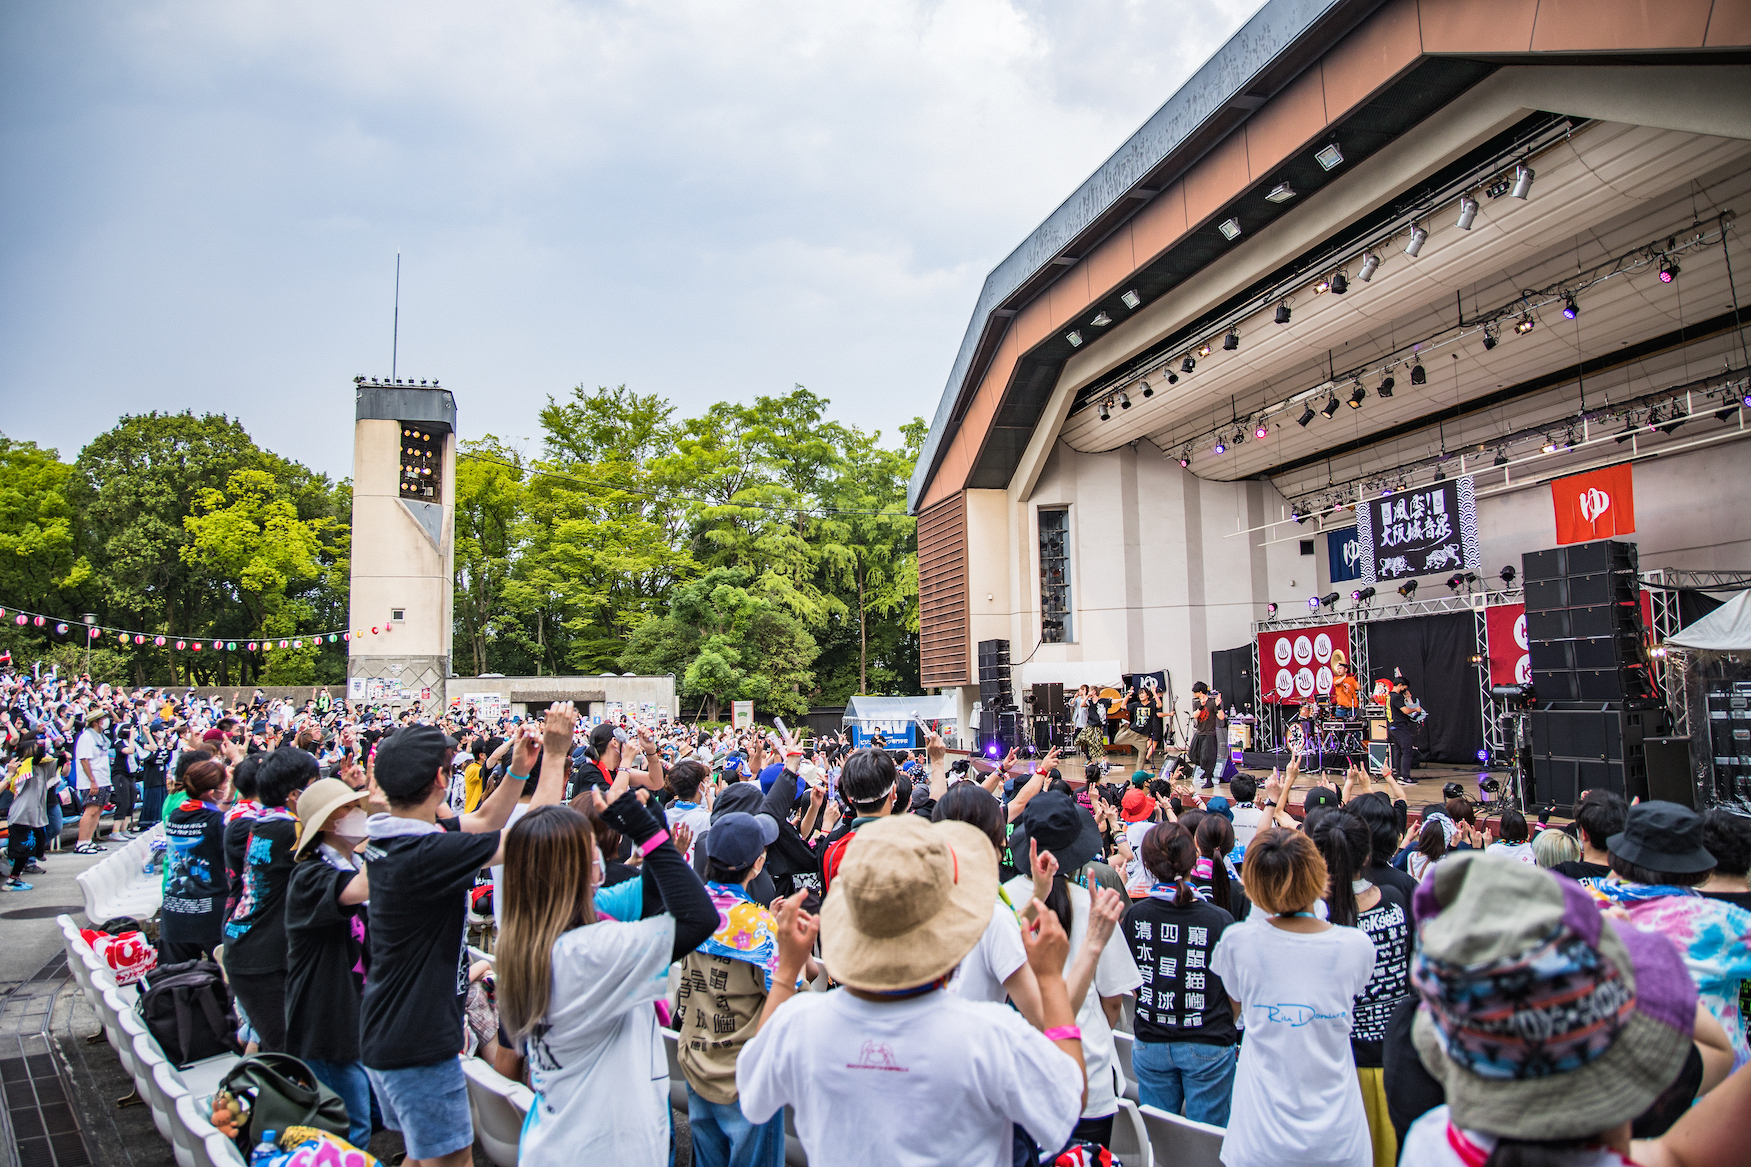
{"x":125,"y":636}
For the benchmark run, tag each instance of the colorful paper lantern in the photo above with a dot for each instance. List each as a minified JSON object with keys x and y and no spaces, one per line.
{"x":60,"y":630}
{"x":21,"y":618}
{"x":158,"y":642}
{"x":181,"y":644}
{"x":374,"y":630}
{"x":217,"y":645}
{"x":252,"y":646}
{"x":40,"y":621}
{"x":283,"y":644}
{"x":138,"y":639}
{"x":230,"y":646}
{"x":122,"y":637}
{"x":297,"y":644}
{"x":196,"y":646}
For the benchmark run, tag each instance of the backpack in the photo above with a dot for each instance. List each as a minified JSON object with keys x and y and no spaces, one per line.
{"x":187,"y":1009}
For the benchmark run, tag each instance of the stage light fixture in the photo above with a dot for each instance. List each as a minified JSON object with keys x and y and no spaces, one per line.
{"x":1522,"y":182}
{"x":1331,"y":405}
{"x":1671,"y":427}
{"x":1283,"y":312}
{"x":1297,"y":516}
{"x":1204,"y":349}
{"x":1231,"y":341}
{"x":1101,"y":320}
{"x":1362,"y":595}
{"x":1370,"y":265}
{"x":1357,"y":395}
{"x":1188,"y":364}
{"x":1440,"y":475}
{"x":1467,"y":212}
{"x":1385,"y":491}
{"x":1230,"y":229}
{"x":1477,"y":659}
{"x":1104,"y":411}
{"x":1306,"y":416}
{"x":1313,"y":603}
{"x":1172,"y":378}
{"x":1501,"y":458}
{"x":1261,"y":431}
{"x":1185,"y":458}
{"x":1281,"y":193}
{"x":1408,"y":589}
{"x":1331,"y":600}
{"x":1417,"y":239}
{"x":1490,"y":339}
{"x":1387,"y":385}
{"x":1147,"y":388}
{"x":1130,"y":299}
{"x":1508,"y":574}
{"x":1271,"y":611}
{"x":1322,"y":287}
{"x":1419,"y":376}
{"x":1074,"y":337}
{"x":1455,"y":582}
{"x":1629,"y":432}
{"x":1525,"y":324}
{"x":1724,"y":414}
{"x":1330,"y":157}
{"x":1124,"y":400}
{"x":1339,"y":284}
{"x":1570,"y":308}
{"x":1668,"y":270}
{"x":1239,"y":437}
{"x":1221,"y":447}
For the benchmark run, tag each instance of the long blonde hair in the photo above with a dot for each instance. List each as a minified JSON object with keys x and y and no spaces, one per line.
{"x":548,"y":890}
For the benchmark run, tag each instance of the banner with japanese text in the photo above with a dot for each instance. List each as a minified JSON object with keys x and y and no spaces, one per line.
{"x":1597,"y":505}
{"x":1344,"y":549}
{"x":1295,"y":666}
{"x":1508,"y":646}
{"x":1420,"y":531}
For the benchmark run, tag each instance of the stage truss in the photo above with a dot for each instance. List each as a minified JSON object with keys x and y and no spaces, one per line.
{"x":1664,"y":584}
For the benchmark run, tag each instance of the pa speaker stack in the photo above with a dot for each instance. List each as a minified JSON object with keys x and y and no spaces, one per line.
{"x":1597,"y":699}
{"x":995,"y":694}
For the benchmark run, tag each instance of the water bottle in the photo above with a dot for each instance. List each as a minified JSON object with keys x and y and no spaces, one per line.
{"x":151,"y":865}
{"x":264,"y":1150}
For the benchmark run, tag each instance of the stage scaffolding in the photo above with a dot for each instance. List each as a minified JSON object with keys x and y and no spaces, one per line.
{"x":1664,"y":584}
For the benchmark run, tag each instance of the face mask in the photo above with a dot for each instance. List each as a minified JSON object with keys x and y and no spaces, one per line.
{"x":351,"y":825}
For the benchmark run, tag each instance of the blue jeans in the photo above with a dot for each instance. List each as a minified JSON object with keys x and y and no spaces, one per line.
{"x":722,"y":1137}
{"x":348,"y":1079}
{"x":1172,"y":1073}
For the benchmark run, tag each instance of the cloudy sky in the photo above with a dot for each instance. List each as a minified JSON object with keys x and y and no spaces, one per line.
{"x":706,"y":199}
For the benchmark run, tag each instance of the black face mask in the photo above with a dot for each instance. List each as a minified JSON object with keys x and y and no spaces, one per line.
{"x":42,"y":751}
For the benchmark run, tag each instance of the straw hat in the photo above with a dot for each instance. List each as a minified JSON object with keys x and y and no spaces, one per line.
{"x":317,"y":804}
{"x":910,"y":901}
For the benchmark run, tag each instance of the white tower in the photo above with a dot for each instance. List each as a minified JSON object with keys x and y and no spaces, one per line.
{"x":404,"y":489}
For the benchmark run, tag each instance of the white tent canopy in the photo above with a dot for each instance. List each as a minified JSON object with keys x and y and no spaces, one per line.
{"x":1726,"y":629}
{"x":863,"y":710}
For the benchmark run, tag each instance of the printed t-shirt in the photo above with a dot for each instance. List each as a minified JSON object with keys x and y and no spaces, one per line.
{"x":1433,"y":1141}
{"x":255,"y":936}
{"x":828,"y":1054}
{"x":420,"y":875}
{"x":601,"y":1043}
{"x":91,"y":747}
{"x":718,"y":1006}
{"x":1180,"y":999}
{"x":1137,"y":877}
{"x":1517,"y":851}
{"x":1388,"y":925}
{"x":1584,"y":873}
{"x":1246,"y":824}
{"x":697,"y":819}
{"x":993,"y":960}
{"x":1295,"y":1095}
{"x":1115,"y":974}
{"x":193,"y":911}
{"x":325,"y":970}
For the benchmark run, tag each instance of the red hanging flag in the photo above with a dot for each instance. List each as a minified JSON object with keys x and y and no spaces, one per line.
{"x":1596,"y":505}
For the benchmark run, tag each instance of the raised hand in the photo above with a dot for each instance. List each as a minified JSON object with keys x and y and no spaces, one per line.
{"x":797,"y":930}
{"x":558,"y":726}
{"x":527,"y":745}
{"x":1046,"y":942}
{"x":682,"y":836}
{"x":1106,"y":908}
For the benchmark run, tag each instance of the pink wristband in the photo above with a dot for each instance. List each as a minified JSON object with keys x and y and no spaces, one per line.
{"x":652,"y":843}
{"x":1064,"y":1033}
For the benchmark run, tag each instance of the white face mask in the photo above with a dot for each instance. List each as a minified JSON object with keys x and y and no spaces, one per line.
{"x":350,"y":826}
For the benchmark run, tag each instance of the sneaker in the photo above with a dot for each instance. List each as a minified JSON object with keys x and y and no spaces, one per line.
{"x":15,"y":884}
{"x":89,"y":849}
{"x":32,"y":869}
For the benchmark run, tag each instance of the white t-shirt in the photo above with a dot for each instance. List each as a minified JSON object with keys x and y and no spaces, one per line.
{"x":498,"y":872}
{"x":1296,"y":1102}
{"x":993,"y":960}
{"x":830,"y":1055}
{"x":1426,"y":1145}
{"x":1520,"y":851}
{"x":1137,"y":877}
{"x":94,"y":749}
{"x":602,"y":1043}
{"x":1246,"y":824}
{"x":1114,"y":975}
{"x":697,"y":818}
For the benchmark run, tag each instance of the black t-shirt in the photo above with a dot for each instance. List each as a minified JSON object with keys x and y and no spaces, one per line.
{"x":419,"y":957}
{"x":1401,"y":881}
{"x":1583,"y":872}
{"x":1740,"y":899}
{"x":193,"y":911}
{"x":157,"y":763}
{"x":255,"y":937}
{"x":1208,"y":726}
{"x":1181,"y":999}
{"x":325,"y":971}
{"x":236,"y":841}
{"x":1388,"y":924}
{"x":1411,"y":1091}
{"x":1395,"y":710}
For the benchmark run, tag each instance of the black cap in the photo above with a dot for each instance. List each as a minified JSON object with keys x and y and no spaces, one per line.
{"x":1321,"y":796}
{"x":1059,"y":826}
{"x":1663,"y":837}
{"x":409,"y":759}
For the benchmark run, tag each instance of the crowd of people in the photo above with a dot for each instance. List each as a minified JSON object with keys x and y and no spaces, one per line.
{"x":926,"y":961}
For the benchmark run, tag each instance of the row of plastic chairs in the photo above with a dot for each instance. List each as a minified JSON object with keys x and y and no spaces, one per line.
{"x":1148,"y":1133}
{"x":117,"y":885}
{"x":178,"y":1098}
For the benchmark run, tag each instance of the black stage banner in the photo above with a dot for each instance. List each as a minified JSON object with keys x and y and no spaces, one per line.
{"x":1434,"y":654}
{"x":1156,"y":682}
{"x":1419,"y":532}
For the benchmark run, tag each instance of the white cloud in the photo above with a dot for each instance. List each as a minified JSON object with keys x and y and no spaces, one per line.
{"x":700,"y":199}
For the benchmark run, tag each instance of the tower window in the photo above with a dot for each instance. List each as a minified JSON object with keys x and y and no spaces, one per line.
{"x":422,"y":463}
{"x":398,"y":613}
{"x":1055,"y":616}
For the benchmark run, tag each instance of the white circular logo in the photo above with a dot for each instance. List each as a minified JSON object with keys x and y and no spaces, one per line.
{"x":1281,"y":650}
{"x":1304,"y":683}
{"x":1303,"y":650}
{"x":1520,"y":632}
{"x":1322,"y":648}
{"x":1323,"y":679}
{"x":1523,"y":671}
{"x":1285,"y":683}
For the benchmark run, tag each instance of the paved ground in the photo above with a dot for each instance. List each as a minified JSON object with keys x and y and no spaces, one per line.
{"x":28,"y":934}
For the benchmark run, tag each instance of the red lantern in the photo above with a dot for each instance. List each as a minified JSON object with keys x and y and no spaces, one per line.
{"x":252,"y":646}
{"x":181,"y":644}
{"x":158,"y":642}
{"x":196,"y":646}
{"x":138,"y":639}
{"x":388,"y":628}
{"x":21,"y":618}
{"x":283,"y":644}
{"x":374,"y":630}
{"x":40,"y":621}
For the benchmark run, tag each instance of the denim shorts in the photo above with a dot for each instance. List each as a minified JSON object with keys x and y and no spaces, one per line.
{"x":428,"y":1105}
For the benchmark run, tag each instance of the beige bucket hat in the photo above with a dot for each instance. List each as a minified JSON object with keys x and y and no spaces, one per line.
{"x":317,"y":804}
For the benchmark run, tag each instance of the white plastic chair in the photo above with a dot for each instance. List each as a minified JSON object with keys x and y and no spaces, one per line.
{"x":189,"y":1133}
{"x":110,"y":1010}
{"x":1180,"y":1141}
{"x":1124,"y":1045}
{"x":499,"y":1106}
{"x":222,"y":1152}
{"x":132,"y":1030}
{"x":162,"y":1083}
{"x":1130,"y":1143}
{"x":203,"y":1077}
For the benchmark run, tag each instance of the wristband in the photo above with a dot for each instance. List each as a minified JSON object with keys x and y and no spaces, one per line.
{"x":1064,"y":1033}
{"x":516,"y":777}
{"x":652,"y":843}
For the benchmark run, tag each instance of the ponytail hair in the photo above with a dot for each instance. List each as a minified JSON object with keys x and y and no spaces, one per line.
{"x":1169,"y":854}
{"x":1215,"y":841}
{"x":1344,"y":842}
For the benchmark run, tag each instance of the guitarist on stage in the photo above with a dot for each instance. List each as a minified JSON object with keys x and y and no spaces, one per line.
{"x":1404,"y":713}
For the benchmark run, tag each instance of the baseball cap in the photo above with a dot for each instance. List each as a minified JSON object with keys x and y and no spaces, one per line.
{"x":738,"y":838}
{"x":410,"y":758}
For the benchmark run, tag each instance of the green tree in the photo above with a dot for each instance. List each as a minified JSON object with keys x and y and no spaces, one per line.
{"x":40,"y":565}
{"x":489,"y":504}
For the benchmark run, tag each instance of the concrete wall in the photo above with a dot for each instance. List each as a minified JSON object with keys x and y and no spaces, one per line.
{"x":591,"y":692}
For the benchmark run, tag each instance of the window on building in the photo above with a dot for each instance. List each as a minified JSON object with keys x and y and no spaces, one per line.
{"x":398,"y":613}
{"x":422,"y":463}
{"x":1055,"y":619}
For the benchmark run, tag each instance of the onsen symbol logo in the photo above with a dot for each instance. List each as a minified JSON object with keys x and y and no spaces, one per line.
{"x":1594,"y":502}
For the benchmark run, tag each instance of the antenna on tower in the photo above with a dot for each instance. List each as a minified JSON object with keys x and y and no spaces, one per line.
{"x":395,"y":334}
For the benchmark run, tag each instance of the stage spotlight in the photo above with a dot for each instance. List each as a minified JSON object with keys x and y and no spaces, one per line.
{"x":1570,"y":308}
{"x":1418,"y":238}
{"x":1306,"y":416}
{"x":1281,"y":193}
{"x":993,"y":750}
{"x":1724,"y":414}
{"x":1313,"y":603}
{"x":1477,"y":659}
{"x":1221,"y":447}
{"x":1356,"y":397}
{"x":1440,"y":475}
{"x":1386,"y":492}
{"x":1525,"y":324}
{"x":1105,"y":413}
{"x":1490,"y":339}
{"x":1339,"y":284}
{"x":1370,"y":265}
{"x":1148,"y":389}
{"x":1460,"y":579}
{"x":1261,"y":431}
{"x":1331,"y":600}
{"x":1131,"y":299}
{"x":1297,"y":516}
{"x":1283,"y":312}
{"x":1467,"y":212}
{"x":1508,"y":574}
{"x":1124,"y":400}
{"x":1331,"y":405}
{"x":1362,"y":595}
{"x":1501,"y":458}
{"x":1418,"y":375}
{"x":1672,"y":426}
{"x":1172,"y":378}
{"x":1231,"y":341}
{"x":1074,"y":337}
{"x":1271,"y":611}
{"x":1330,"y":157}
{"x":1668,"y":270}
{"x":1522,"y":182}
{"x":1408,"y":589}
{"x":1188,"y":364}
{"x":1204,"y":349}
{"x":1629,"y":431}
{"x":1322,"y":287}
{"x":1101,"y":320}
{"x":1185,"y":459}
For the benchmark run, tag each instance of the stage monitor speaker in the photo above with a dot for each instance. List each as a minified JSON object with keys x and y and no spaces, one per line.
{"x":1562,"y":781}
{"x":1048,"y":700}
{"x":1540,"y":565}
{"x":1574,"y":591}
{"x":1669,"y":770}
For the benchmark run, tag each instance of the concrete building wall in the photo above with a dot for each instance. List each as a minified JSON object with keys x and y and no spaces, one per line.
{"x":591,"y":693}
